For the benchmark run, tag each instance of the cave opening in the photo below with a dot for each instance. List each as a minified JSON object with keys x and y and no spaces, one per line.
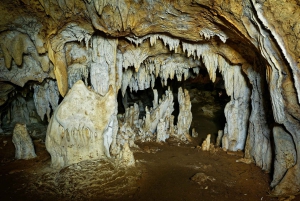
{"x":208,"y":101}
{"x":21,"y":108}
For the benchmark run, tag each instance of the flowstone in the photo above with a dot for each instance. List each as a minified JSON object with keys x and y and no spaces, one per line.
{"x":79,"y":129}
{"x":23,"y":143}
{"x":285,"y":154}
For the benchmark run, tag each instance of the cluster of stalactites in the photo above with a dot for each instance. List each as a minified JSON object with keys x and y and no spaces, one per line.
{"x":163,"y":66}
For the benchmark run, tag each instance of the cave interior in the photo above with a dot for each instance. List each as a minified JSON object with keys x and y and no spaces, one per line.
{"x":95,"y":93}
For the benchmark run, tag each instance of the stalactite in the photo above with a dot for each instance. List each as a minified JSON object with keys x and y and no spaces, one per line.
{"x":103,"y":63}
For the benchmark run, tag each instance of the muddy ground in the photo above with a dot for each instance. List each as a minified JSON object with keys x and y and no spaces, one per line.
{"x":162,"y":172}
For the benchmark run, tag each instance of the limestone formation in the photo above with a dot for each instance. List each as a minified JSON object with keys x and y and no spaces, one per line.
{"x":184,"y":116}
{"x":258,"y":143}
{"x":23,"y":143}
{"x":126,"y":157}
{"x":285,"y":155}
{"x":5,"y":90}
{"x":79,"y":129}
{"x":129,"y":45}
{"x":161,"y":132}
{"x":158,"y":123}
{"x":219,"y":138}
{"x":206,"y":143}
{"x":46,"y":96}
{"x":194,"y":133}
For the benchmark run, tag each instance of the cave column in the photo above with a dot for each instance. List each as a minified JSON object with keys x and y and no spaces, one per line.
{"x":258,"y":146}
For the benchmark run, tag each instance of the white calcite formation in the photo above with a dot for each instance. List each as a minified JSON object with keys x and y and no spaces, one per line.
{"x":206,"y":143}
{"x":163,"y":110}
{"x":77,"y":72}
{"x":126,"y":158}
{"x":46,"y":98}
{"x":158,"y":123}
{"x":77,"y":59}
{"x":219,"y":138}
{"x":258,"y":144}
{"x":24,"y":148}
{"x":103,"y":62}
{"x":285,"y":155}
{"x":163,"y":66}
{"x":237,"y":110}
{"x":57,"y":50}
{"x":185,"y":114}
{"x":161,"y":133}
{"x":134,"y":57}
{"x":79,"y":129}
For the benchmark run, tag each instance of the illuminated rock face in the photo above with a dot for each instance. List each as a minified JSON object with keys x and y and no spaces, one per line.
{"x":120,"y":44}
{"x":79,"y":129}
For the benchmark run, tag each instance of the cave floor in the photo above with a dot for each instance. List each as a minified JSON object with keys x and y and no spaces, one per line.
{"x":162,"y":172}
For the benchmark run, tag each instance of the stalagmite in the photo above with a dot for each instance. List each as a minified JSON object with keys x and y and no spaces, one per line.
{"x":161,"y":132}
{"x":23,"y":143}
{"x":126,"y":157}
{"x":225,"y":142}
{"x":132,"y":116}
{"x":185,"y":114}
{"x":79,"y":130}
{"x":206,"y":143}
{"x":194,"y":133}
{"x":237,"y":110}
{"x":162,"y":111}
{"x":219,"y":138}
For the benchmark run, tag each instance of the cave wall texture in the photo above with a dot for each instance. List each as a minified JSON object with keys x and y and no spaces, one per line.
{"x":49,"y":45}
